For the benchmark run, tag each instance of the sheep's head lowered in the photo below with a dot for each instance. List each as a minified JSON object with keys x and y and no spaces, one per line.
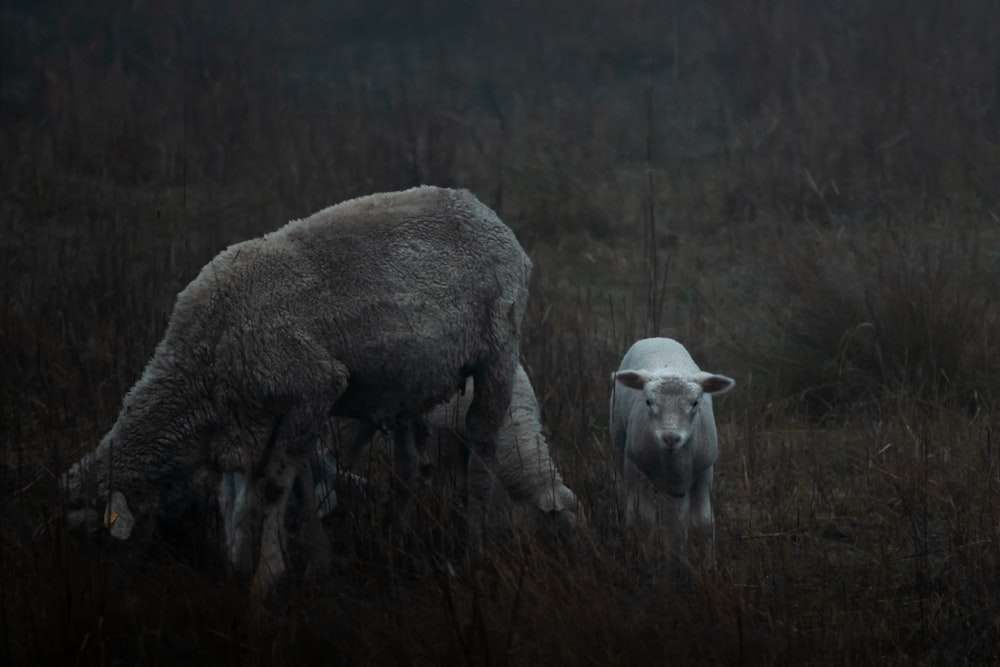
{"x":117,"y":518}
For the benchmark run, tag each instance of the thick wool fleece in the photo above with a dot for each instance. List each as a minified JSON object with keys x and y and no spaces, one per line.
{"x":376,"y":308}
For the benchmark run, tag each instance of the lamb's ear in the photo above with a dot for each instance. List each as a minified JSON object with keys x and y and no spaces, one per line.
{"x":118,"y":517}
{"x":715,"y":384}
{"x":632,"y":379}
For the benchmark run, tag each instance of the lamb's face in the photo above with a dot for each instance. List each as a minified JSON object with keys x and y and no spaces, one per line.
{"x":672,"y":403}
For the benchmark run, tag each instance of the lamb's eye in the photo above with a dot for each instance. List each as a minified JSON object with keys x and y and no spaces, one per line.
{"x":649,"y":402}
{"x":694,"y":404}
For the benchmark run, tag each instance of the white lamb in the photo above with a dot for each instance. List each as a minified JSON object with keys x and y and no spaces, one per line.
{"x":377,"y":308}
{"x":665,"y":440}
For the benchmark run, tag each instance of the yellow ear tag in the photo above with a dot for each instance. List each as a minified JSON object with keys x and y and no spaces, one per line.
{"x":112,"y":517}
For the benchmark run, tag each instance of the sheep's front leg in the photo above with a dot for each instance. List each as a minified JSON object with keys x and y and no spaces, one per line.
{"x":232,"y":501}
{"x":702,"y":520}
{"x":294,"y":435}
{"x":278,"y":479}
{"x":238,"y":504}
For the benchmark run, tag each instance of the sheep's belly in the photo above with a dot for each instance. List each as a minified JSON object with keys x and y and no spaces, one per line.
{"x":395,"y":387}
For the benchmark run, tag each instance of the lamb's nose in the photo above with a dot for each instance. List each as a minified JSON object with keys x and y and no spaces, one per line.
{"x":671,"y":440}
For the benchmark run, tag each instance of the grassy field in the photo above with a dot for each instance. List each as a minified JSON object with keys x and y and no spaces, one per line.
{"x":804,"y":194}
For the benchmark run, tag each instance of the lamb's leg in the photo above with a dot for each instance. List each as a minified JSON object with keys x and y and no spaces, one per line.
{"x":702,"y":520}
{"x":659,"y":517}
{"x":641,"y":506}
{"x":678,"y":512}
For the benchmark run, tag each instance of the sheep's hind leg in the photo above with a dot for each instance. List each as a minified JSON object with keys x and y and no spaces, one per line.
{"x":279,"y":477}
{"x":493,"y":385}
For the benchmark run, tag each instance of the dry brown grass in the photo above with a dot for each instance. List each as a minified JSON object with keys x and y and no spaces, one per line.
{"x":802,"y":193}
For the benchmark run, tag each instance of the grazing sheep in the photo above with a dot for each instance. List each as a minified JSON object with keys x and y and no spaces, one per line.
{"x":665,"y":439}
{"x":377,"y":308}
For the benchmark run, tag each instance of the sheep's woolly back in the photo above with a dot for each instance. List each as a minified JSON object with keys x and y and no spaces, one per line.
{"x":379,"y":283}
{"x":376,"y":308}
